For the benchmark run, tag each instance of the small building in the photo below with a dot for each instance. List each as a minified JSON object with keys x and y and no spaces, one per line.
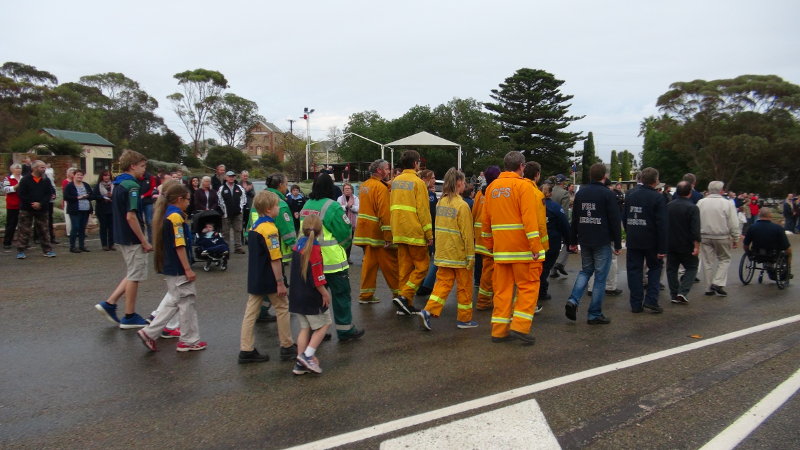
{"x":97,"y":154}
{"x":265,"y":138}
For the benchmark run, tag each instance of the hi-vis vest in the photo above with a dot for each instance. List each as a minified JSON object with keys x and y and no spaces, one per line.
{"x":541,"y":216}
{"x":373,"y":227}
{"x":510,"y":220}
{"x":411,"y":214}
{"x":283,"y":222}
{"x":477,"y":215}
{"x":455,"y":245}
{"x":336,"y":232}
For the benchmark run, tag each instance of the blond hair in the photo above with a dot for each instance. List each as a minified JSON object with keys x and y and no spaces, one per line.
{"x":312,"y":227}
{"x":451,"y":179}
{"x":264,"y":201}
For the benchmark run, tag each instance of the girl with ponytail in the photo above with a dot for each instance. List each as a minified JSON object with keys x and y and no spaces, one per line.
{"x":308,"y":298}
{"x":172,"y":260}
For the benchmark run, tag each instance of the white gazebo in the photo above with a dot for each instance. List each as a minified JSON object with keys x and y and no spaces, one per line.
{"x":425,"y":139}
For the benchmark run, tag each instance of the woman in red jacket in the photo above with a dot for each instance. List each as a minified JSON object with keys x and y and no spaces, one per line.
{"x":12,"y":203}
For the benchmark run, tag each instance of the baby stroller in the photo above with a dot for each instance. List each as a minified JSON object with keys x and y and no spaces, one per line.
{"x":209,"y":245}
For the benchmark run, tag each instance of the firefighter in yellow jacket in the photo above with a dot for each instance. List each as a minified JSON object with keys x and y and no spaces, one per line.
{"x":485,"y":290}
{"x":455,"y":253}
{"x":374,"y":233}
{"x":512,"y":232}
{"x":412,"y":230}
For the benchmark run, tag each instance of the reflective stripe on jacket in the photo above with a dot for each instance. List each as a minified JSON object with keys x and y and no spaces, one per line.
{"x":455,"y":245}
{"x":410,"y":210}
{"x":335,"y":232}
{"x":477,"y":215}
{"x":373,"y":227}
{"x":510,"y":224}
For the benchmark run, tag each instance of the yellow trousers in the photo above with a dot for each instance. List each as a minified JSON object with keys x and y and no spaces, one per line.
{"x":507,"y":313}
{"x":485,"y":291}
{"x":374,"y":258}
{"x":412,"y":261}
{"x":445,"y":277}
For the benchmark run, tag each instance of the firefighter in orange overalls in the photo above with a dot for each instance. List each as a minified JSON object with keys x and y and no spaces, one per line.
{"x":485,"y":291}
{"x":511,"y":222}
{"x":412,"y":230}
{"x":374,"y":233}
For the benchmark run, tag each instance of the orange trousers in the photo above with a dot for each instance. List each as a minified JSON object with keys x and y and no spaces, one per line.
{"x":485,"y":291}
{"x":412,"y":262}
{"x":374,"y":258}
{"x":445,"y":277}
{"x":507,"y":313}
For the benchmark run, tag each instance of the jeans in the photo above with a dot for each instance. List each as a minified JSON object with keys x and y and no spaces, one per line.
{"x":430,"y":278}
{"x":78,"y":233}
{"x":789,"y":223}
{"x":594,"y":260}
{"x":106,"y":229}
{"x":148,"y":220}
{"x":690,"y":263}
{"x":549,"y":261}
{"x":635,"y":261}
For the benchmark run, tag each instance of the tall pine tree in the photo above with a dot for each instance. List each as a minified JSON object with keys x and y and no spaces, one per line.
{"x":533,"y":113}
{"x":615,"y":166}
{"x":588,"y":157}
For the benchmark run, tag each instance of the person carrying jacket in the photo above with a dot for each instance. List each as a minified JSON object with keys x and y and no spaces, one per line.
{"x":336,"y":235}
{"x":232,"y":201}
{"x":412,"y":230}
{"x":374,"y":234}
{"x":511,"y":231}
{"x":455,"y":253}
{"x":646,"y":223}
{"x":595,"y":225}
{"x":485,"y":290}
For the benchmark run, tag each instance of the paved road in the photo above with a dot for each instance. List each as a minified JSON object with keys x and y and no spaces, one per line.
{"x":69,"y":379}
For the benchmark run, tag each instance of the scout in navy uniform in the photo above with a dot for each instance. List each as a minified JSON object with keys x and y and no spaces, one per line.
{"x":645,"y":223}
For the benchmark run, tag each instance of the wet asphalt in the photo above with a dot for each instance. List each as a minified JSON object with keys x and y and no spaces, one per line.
{"x":69,"y":379}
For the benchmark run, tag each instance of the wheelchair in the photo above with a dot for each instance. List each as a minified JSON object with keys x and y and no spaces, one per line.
{"x":775,"y":263}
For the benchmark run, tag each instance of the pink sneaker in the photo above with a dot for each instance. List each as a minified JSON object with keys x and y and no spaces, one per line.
{"x":184,"y":347}
{"x":147,"y":341}
{"x":168,"y":333}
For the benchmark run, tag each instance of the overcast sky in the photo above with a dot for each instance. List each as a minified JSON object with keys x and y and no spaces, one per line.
{"x":342,"y":57}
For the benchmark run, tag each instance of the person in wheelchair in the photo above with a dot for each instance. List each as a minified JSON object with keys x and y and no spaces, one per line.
{"x":765,"y":240}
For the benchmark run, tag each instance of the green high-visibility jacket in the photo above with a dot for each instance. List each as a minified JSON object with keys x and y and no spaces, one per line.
{"x":336,"y":232}
{"x":283,"y":222}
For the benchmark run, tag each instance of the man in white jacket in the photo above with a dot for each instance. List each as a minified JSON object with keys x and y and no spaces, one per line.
{"x":719,"y":231}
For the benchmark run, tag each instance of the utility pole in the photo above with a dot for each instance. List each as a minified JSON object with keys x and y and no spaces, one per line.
{"x":291,"y":122}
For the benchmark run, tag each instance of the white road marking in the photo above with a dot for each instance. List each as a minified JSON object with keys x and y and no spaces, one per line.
{"x":487,"y":430}
{"x":755,"y":416}
{"x":394,"y":425}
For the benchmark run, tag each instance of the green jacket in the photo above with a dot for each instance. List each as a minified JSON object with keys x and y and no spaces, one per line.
{"x":336,"y":233}
{"x":284,"y":222}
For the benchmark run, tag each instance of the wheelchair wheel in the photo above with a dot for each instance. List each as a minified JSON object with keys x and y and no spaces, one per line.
{"x":747,"y":268}
{"x":782,"y":272}
{"x":207,"y":266}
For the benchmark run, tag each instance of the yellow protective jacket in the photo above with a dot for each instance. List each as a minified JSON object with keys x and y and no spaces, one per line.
{"x":541,"y":216}
{"x":373,"y":227}
{"x":455,"y":243}
{"x":510,"y":224}
{"x":411,"y":215}
{"x":477,"y":216}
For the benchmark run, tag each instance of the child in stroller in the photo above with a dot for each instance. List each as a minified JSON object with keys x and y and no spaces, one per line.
{"x":210,"y":246}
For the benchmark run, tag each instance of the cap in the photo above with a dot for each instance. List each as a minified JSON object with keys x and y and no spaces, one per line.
{"x":230,"y":173}
{"x":560,"y":177}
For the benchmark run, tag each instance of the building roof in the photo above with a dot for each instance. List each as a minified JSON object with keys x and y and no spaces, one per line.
{"x":270,"y":126}
{"x":79,"y":136}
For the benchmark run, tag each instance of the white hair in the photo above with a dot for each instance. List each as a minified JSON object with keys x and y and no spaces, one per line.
{"x":715,"y":187}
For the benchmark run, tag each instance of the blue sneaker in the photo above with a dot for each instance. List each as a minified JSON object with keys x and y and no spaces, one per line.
{"x":135,"y":321}
{"x":425,"y":318}
{"x":470,"y":324}
{"x":108,"y":311}
{"x":21,"y":255}
{"x":50,"y":254}
{"x":309,"y":363}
